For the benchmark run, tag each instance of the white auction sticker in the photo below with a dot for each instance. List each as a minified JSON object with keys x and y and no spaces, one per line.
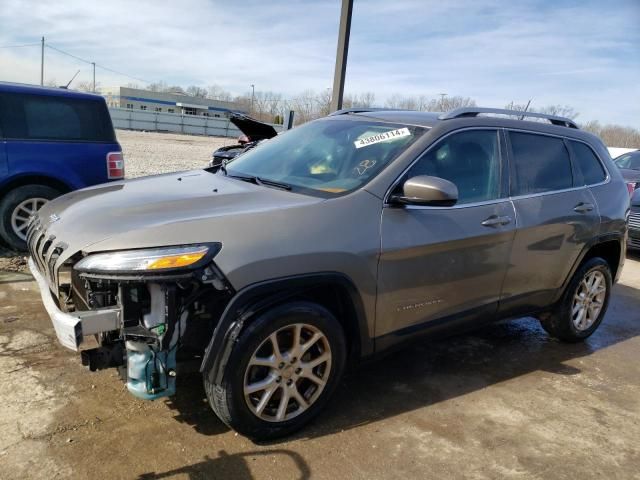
{"x":382,"y":137}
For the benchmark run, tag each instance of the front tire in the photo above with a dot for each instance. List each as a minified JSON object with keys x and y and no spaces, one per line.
{"x":282,"y":370}
{"x":583,"y":304}
{"x":15,"y":209}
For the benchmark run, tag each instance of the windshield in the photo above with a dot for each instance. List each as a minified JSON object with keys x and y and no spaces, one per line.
{"x":629,"y":160}
{"x":331,"y":156}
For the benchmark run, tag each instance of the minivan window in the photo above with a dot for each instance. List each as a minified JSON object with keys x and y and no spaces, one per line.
{"x":588,"y":163}
{"x":469,"y":159}
{"x":39,"y":117}
{"x":540,"y":164}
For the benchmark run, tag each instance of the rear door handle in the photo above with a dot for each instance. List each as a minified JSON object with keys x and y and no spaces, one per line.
{"x":583,"y":207}
{"x":496,"y":221}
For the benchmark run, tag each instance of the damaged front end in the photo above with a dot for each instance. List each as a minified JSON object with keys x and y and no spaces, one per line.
{"x":148,"y":309}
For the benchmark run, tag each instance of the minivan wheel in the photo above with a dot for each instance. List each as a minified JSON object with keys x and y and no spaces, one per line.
{"x":584,"y":303}
{"x":15,"y":209}
{"x":281,"y":371}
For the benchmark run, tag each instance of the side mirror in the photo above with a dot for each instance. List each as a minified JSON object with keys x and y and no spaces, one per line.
{"x":427,"y":191}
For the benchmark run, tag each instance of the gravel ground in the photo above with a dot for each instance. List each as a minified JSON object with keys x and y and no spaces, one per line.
{"x":146,"y":153}
{"x":149,"y":153}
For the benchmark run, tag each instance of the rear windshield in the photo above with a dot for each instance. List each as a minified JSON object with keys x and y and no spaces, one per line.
{"x":330,"y":156}
{"x":41,"y":117}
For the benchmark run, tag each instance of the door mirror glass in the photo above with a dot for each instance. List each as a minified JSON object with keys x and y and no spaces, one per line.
{"x":428,"y":191}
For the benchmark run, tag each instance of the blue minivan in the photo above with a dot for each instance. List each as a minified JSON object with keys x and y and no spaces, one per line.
{"x":52,"y":141}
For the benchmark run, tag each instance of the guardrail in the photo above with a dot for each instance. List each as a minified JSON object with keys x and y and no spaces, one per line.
{"x":127,"y":119}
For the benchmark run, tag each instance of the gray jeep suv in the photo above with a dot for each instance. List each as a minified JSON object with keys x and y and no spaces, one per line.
{"x":330,"y":243}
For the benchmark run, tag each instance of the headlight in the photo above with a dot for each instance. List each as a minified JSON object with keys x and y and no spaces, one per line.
{"x":152,"y":259}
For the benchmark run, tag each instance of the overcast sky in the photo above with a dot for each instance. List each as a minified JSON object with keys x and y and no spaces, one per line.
{"x":582,"y":53}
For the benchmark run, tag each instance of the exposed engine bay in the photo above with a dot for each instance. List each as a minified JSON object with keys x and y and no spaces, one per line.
{"x":160,"y":320}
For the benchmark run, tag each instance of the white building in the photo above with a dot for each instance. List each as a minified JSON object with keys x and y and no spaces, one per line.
{"x":138,"y":99}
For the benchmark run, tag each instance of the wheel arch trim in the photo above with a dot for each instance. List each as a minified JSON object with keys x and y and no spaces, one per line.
{"x":601,"y":239}
{"x":257,"y":297}
{"x":25,"y":179}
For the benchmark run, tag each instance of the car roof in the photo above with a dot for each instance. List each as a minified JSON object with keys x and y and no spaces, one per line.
{"x":476,"y":117}
{"x":423,"y":119}
{"x":10,"y":87}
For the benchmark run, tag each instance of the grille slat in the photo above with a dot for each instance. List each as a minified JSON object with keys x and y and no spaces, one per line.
{"x":44,"y":251}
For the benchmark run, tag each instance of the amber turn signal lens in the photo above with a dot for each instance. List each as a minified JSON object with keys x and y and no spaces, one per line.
{"x":176,"y":261}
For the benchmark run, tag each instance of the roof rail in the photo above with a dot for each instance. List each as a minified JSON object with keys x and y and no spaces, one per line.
{"x":345,"y":111}
{"x":475,"y":111}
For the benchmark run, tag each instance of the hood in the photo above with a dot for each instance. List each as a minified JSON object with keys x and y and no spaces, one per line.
{"x":172,"y":209}
{"x":635,"y":199}
{"x":252,"y":128}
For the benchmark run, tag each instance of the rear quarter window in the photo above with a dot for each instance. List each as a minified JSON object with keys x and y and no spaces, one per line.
{"x":41,"y":117}
{"x":592,"y":170}
{"x":540,"y":164}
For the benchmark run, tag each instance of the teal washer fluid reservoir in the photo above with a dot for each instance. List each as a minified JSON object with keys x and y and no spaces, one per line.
{"x":150,"y":374}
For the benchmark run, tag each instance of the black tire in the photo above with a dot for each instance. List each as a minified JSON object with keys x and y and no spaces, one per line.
{"x":560,"y":322}
{"x":227,"y":399}
{"x":11,"y":201}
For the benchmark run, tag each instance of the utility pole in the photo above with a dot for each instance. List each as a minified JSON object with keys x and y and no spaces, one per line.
{"x":442,"y":95}
{"x":42,"y":63}
{"x":93,"y":64}
{"x":253,"y":94}
{"x":341,"y":55}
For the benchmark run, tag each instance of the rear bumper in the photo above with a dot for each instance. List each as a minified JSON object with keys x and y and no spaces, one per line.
{"x":71,"y":328}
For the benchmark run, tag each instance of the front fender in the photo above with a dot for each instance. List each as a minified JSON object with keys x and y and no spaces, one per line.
{"x":258,"y":297}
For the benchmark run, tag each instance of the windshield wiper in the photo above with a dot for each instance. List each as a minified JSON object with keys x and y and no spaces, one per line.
{"x":255,"y":180}
{"x":273,"y":183}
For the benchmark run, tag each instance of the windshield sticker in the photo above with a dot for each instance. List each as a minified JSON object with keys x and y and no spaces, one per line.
{"x":364,"y":166}
{"x":382,"y":137}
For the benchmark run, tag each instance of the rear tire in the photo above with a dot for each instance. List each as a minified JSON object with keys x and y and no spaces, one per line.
{"x":16,"y":207}
{"x":583,"y":304}
{"x":264,"y":394}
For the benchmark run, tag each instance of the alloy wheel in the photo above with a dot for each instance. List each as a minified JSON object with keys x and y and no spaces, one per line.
{"x":287,"y":373}
{"x":22,"y":212}
{"x":588,"y":300}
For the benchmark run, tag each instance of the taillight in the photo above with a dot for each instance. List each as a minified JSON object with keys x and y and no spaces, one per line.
{"x":631,"y":187}
{"x":115,"y":165}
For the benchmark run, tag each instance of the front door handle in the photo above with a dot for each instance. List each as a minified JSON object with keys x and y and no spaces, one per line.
{"x":496,"y":221}
{"x":583,"y":207}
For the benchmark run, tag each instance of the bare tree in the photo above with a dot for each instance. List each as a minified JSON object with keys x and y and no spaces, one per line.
{"x":402,"y":102}
{"x":196,"y":91}
{"x":556,"y":110}
{"x":216,"y":92}
{"x":447,"y":103}
{"x":160,"y":86}
{"x":559,"y":111}
{"x":243,"y":102}
{"x":614,"y":135}
{"x":305,"y":106}
{"x":266,"y":105}
{"x":362,"y":100}
{"x":323,"y":100}
{"x":86,"y":86}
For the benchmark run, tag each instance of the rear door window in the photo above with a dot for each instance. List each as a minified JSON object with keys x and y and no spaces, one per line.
{"x":540,"y":164}
{"x":41,"y":117}
{"x":592,"y":170}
